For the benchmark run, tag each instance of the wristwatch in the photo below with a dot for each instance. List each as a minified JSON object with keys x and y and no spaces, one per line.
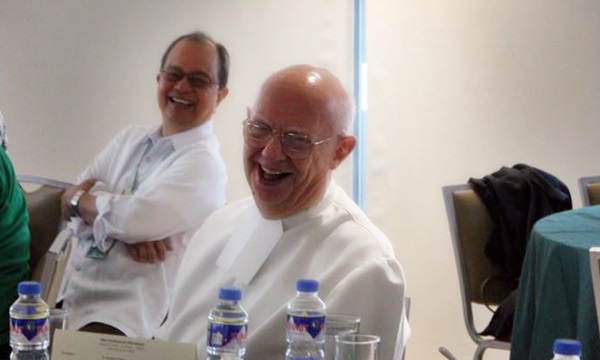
{"x":75,"y":201}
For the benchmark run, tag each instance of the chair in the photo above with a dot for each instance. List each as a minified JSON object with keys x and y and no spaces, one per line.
{"x":447,"y":353}
{"x":595,"y":272}
{"x":590,"y":190}
{"x":47,"y":261}
{"x":470,"y":226}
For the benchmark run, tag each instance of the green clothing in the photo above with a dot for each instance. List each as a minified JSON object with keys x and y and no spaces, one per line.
{"x":14,"y":241}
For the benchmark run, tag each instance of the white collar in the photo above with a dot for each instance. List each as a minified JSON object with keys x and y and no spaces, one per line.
{"x":255,"y":237}
{"x":182,"y":138}
{"x":250,"y":245}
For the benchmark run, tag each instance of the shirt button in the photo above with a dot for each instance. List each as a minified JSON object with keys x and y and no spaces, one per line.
{"x":78,"y":268}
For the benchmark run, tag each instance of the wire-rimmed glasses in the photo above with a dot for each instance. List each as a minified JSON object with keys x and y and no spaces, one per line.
{"x":296,"y":145}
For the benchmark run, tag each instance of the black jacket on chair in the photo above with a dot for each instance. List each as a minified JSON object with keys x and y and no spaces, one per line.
{"x":516,"y":198}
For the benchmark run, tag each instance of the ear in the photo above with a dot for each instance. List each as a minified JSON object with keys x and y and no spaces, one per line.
{"x":344,"y":147}
{"x":222,"y":94}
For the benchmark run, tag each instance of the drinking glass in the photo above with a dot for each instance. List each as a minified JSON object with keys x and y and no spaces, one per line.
{"x":58,"y":319}
{"x":338,"y":324}
{"x":357,"y":347}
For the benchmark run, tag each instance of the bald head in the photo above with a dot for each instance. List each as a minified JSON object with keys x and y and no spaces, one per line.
{"x":294,"y":137}
{"x":310,"y":91}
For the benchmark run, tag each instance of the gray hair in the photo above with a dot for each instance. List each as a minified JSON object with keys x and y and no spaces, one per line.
{"x":198,"y":36}
{"x":345,"y":109}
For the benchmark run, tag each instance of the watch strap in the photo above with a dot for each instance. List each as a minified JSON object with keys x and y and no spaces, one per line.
{"x":75,"y":201}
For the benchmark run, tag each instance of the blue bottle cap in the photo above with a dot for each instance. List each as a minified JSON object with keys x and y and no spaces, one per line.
{"x":230,"y":293}
{"x":29,"y":288}
{"x":307,"y":285}
{"x":567,"y":347}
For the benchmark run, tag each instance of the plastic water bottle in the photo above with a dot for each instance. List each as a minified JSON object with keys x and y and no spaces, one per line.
{"x":566,"y":349}
{"x":227,"y":327}
{"x":29,"y":329}
{"x":305,"y":330}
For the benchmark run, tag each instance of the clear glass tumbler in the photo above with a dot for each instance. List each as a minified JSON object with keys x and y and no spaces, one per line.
{"x":338,"y":324}
{"x":58,"y":319}
{"x":357,"y":347}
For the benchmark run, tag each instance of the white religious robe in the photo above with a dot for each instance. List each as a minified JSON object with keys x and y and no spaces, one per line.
{"x":333,"y":242}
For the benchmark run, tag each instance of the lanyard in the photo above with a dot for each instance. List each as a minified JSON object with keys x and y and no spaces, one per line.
{"x":131,"y":184}
{"x":160,"y":151}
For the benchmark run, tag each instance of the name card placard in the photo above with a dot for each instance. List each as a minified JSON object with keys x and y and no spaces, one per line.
{"x":77,"y":345}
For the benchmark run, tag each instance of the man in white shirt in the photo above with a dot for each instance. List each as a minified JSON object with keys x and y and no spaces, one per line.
{"x":143,"y":196}
{"x":297,"y":224}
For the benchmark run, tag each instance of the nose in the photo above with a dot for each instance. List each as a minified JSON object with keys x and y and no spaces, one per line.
{"x":273,"y":149}
{"x":183,"y":84}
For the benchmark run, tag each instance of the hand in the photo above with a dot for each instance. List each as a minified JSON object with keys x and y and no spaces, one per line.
{"x":65,"y":199}
{"x":150,"y":251}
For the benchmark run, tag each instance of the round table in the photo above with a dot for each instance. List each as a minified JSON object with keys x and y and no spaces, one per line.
{"x":555,"y":295}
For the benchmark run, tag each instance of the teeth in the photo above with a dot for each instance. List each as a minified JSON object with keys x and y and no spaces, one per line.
{"x":272,"y":172}
{"x":181,"y":101}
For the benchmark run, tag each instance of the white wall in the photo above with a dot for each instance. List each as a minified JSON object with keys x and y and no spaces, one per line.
{"x":456,"y":89}
{"x":74,"y":72}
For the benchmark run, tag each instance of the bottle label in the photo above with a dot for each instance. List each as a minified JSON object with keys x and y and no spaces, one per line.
{"x":227,"y":335}
{"x":313,"y":325}
{"x":29,"y":330}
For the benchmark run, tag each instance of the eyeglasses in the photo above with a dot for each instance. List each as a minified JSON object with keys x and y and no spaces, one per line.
{"x":196,"y":80}
{"x":294,"y":144}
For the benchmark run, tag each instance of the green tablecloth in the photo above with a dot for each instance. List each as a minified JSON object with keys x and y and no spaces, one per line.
{"x":556,"y":298}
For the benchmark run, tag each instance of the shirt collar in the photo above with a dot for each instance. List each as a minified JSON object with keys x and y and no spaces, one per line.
{"x":255,"y":237}
{"x":250,"y":245}
{"x":184,"y":138}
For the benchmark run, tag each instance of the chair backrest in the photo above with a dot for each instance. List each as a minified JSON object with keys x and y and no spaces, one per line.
{"x":43,"y":204}
{"x":481,"y":281}
{"x":589,"y":188}
{"x":595,"y":272}
{"x":53,"y":264}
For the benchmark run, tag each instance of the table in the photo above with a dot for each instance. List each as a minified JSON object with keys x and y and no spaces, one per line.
{"x":556,"y":298}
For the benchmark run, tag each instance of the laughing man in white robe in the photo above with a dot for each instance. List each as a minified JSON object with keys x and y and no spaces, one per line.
{"x":297,"y":224}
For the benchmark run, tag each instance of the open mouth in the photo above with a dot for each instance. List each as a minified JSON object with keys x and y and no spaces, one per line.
{"x":272,"y":175}
{"x":180,"y":101}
